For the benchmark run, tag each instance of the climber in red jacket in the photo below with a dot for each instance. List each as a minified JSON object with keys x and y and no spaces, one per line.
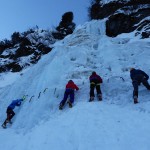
{"x":70,"y":87}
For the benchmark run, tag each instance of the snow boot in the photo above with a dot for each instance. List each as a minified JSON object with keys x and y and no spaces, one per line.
{"x":60,"y":107}
{"x":70,"y":104}
{"x":135,"y":100}
{"x":99,"y":97}
{"x":4,"y":126}
{"x":91,"y":99}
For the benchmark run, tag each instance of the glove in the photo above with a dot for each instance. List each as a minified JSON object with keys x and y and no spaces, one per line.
{"x":24,"y":97}
{"x":146,"y":78}
{"x":77,"y":89}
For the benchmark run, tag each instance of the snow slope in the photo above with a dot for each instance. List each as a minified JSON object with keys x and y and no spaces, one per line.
{"x":115,"y":123}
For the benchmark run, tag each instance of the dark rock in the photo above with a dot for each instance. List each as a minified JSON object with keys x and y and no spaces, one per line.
{"x":14,"y":67}
{"x":123,"y":16}
{"x":25,"y":42}
{"x":24,"y":51}
{"x":145,"y":35}
{"x":119,"y":23}
{"x":44,"y":49}
{"x":125,"y":23}
{"x":2,"y":69}
{"x":35,"y":59}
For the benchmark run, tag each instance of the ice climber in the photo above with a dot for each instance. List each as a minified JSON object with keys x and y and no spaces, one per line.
{"x":69,"y":91}
{"x":10,"y":112}
{"x":138,"y":77}
{"x":95,"y":81}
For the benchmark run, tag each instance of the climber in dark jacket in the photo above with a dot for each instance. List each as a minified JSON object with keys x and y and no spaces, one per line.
{"x":138,"y":77}
{"x":10,"y":112}
{"x":95,"y":81}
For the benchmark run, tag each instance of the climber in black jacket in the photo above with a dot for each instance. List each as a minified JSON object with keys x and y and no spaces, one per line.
{"x":138,"y":77}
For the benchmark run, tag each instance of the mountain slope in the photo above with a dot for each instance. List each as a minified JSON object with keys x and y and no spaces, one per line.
{"x":114,"y":123}
{"x":86,"y":126}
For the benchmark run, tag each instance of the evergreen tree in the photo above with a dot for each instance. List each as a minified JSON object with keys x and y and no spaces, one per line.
{"x":94,"y":9}
{"x":15,"y":37}
{"x":66,"y":26}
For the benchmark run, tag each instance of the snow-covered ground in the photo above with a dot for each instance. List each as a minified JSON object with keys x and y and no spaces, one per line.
{"x":113,"y":124}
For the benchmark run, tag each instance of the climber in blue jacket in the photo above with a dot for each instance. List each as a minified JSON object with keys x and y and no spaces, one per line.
{"x":10,"y":112}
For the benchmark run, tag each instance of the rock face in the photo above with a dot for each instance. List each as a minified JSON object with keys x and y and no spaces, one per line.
{"x":124,"y":16}
{"x":27,"y":51}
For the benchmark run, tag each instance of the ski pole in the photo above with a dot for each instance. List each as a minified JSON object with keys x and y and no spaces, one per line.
{"x":39,"y":95}
{"x":31,"y":98}
{"x":45,"y":90}
{"x":122,"y":79}
{"x":54,"y":91}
